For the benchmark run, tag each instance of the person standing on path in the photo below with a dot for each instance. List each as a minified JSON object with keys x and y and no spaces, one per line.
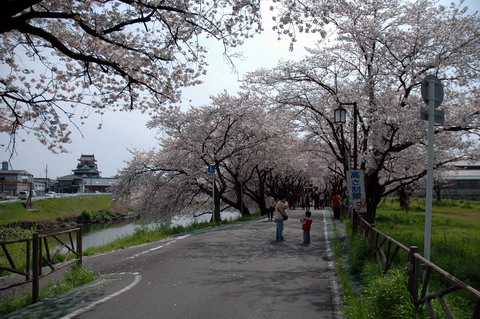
{"x":280,"y":215}
{"x":308,"y":200}
{"x":316,"y":200}
{"x":322,"y":200}
{"x":336,"y":203}
{"x":306,"y":225}
{"x":270,"y":205}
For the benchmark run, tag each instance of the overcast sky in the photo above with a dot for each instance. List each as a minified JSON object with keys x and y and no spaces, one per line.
{"x":126,"y":130}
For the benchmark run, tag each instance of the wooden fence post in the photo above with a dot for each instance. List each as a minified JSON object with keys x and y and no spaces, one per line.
{"x":476,"y":310}
{"x":35,"y":268}
{"x":27,"y":266}
{"x":354,"y":221}
{"x":373,"y":241}
{"x":413,"y":273}
{"x":79,"y":245}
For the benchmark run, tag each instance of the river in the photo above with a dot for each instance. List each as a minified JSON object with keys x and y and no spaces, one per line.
{"x":104,"y":233}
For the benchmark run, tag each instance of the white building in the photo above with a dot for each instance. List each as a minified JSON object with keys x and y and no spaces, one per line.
{"x":461,"y":181}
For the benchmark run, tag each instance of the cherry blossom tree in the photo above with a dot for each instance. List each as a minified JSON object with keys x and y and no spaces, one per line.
{"x":62,"y":59}
{"x":376,"y":53}
{"x":249,"y":146}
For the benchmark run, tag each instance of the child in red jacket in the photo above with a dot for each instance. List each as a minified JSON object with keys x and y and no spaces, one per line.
{"x":306,"y":223}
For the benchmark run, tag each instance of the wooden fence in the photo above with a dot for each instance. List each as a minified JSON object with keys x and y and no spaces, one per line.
{"x":41,"y":251}
{"x":386,"y":250}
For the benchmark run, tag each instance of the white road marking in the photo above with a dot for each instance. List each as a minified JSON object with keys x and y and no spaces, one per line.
{"x":136,"y":280}
{"x":157,"y":247}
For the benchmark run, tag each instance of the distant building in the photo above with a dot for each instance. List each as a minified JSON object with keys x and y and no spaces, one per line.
{"x":14,"y":181}
{"x":39,"y":186}
{"x":85,"y":178}
{"x":69,"y":184}
{"x":102,"y":184}
{"x":87,"y":167}
{"x":459,"y":181}
{"x":42,"y":185}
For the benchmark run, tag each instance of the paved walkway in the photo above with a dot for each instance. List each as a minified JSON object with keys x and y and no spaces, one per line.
{"x":233,"y":272}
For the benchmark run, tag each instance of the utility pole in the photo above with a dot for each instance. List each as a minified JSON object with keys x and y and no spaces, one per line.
{"x":46,"y":179}
{"x":432,"y":94}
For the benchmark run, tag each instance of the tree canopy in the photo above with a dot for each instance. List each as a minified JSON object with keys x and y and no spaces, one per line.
{"x":245,"y":142}
{"x":62,"y":59}
{"x":66,"y":58}
{"x":375,"y":54}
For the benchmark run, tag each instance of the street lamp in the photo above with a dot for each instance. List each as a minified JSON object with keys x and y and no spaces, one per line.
{"x":341,"y":118}
{"x":340,"y":115}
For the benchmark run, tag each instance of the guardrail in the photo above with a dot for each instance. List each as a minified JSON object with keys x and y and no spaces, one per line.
{"x":41,"y":253}
{"x":386,"y":250}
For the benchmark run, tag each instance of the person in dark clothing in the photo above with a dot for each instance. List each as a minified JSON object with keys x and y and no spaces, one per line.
{"x":316,"y":200}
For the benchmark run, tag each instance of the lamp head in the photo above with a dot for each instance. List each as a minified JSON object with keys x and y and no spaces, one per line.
{"x":340,"y":116}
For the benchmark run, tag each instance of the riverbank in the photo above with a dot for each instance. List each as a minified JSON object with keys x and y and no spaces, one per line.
{"x":61,"y":213}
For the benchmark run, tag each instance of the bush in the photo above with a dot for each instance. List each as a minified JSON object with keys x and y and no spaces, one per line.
{"x":388,"y":297}
{"x":85,"y":217}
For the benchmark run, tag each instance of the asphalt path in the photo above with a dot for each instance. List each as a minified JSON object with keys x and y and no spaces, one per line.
{"x":237,"y":271}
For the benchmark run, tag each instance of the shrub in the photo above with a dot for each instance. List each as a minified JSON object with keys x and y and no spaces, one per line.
{"x":389,"y":298}
{"x":85,"y":217}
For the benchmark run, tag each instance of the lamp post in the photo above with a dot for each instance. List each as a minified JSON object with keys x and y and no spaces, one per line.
{"x":341,"y":118}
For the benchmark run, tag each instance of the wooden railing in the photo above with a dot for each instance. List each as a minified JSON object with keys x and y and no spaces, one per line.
{"x":386,"y":250}
{"x":49,"y":251}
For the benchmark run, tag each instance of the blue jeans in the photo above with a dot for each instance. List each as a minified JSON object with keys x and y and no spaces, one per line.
{"x":306,"y":236}
{"x":279,"y":228}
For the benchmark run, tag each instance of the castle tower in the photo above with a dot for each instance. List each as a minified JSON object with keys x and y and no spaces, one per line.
{"x":87,"y":167}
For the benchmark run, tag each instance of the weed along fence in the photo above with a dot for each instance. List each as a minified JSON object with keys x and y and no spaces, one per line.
{"x":387,"y":251}
{"x":27,"y":257}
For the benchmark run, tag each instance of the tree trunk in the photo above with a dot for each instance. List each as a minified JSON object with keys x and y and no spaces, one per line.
{"x":240,"y":200}
{"x":374,"y":193}
{"x":403,"y":198}
{"x":437,"y":187}
{"x":216,"y":200}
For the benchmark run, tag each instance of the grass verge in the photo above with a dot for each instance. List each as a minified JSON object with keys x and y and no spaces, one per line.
{"x":368,"y":294}
{"x":454,"y":246}
{"x":455,"y":242}
{"x":75,"y":276}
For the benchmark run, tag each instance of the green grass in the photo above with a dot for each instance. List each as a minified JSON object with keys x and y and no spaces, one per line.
{"x":354,"y":304}
{"x":455,"y":234}
{"x":455,"y":248}
{"x":17,"y":251}
{"x":54,"y":209}
{"x":455,"y":240}
{"x":50,"y":211}
{"x":75,"y":276}
{"x":368,"y":294}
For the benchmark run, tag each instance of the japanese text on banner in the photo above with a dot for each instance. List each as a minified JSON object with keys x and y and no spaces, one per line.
{"x":356,"y":191}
